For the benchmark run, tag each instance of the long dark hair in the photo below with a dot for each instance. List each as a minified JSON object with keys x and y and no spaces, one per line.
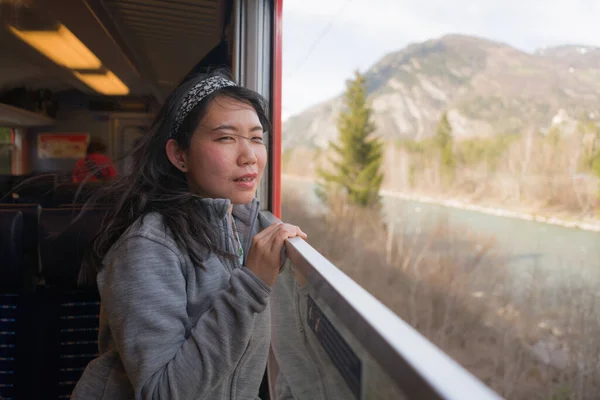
{"x":155,"y":185}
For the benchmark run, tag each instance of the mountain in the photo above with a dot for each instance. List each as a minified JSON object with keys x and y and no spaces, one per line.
{"x":486,"y":87}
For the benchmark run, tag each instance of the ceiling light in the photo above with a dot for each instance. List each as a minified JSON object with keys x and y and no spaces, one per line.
{"x":106,"y":83}
{"x":61,"y":46}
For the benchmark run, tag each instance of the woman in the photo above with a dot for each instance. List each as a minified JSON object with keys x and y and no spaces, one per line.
{"x":183,"y":275}
{"x":95,"y":166}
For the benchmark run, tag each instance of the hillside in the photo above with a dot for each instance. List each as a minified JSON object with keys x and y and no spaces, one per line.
{"x":487,"y":88}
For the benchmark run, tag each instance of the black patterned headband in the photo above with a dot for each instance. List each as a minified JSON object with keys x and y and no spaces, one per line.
{"x":195,"y":95}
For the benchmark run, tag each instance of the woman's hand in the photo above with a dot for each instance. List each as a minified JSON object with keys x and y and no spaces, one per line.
{"x":264,"y":256}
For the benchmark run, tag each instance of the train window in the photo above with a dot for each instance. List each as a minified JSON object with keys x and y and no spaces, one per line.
{"x":446,"y":157}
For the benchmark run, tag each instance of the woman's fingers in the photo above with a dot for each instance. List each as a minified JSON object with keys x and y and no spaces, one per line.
{"x":289,"y":231}
{"x":301,"y":234}
{"x":264,"y":256}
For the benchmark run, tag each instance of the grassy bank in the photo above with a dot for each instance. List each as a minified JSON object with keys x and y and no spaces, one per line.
{"x":543,"y":345}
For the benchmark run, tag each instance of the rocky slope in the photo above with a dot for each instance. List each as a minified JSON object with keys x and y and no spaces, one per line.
{"x":486,"y":87}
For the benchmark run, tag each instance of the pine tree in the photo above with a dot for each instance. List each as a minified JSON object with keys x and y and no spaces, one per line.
{"x":357,"y":154}
{"x":445,"y":142}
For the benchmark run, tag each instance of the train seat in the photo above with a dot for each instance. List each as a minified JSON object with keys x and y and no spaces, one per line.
{"x":64,"y":235}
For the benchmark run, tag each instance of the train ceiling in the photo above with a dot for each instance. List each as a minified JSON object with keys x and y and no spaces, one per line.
{"x":117,"y":47}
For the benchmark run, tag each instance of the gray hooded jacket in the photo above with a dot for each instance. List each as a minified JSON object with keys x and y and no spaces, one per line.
{"x":172,"y":330}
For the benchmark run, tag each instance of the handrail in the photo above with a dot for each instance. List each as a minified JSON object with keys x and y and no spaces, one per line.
{"x":419,"y":368}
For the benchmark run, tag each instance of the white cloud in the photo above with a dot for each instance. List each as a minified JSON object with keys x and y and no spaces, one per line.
{"x":362,"y":31}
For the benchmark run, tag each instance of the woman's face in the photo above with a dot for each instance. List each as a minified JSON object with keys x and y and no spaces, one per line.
{"x":226,"y":157}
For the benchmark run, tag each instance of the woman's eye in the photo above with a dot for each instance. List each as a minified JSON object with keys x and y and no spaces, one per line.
{"x":257,"y":139}
{"x":225,"y":138}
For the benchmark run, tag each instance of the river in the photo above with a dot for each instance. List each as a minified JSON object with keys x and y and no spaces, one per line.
{"x":528,"y":248}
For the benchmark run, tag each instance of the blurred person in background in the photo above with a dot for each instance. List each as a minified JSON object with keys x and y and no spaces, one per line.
{"x":96,"y":165}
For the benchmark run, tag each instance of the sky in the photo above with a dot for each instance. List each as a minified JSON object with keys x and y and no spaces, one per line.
{"x":324,"y":41}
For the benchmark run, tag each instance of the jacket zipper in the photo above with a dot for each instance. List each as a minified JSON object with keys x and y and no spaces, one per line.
{"x":248,"y":239}
{"x":234,"y":265}
{"x":229,"y":245}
